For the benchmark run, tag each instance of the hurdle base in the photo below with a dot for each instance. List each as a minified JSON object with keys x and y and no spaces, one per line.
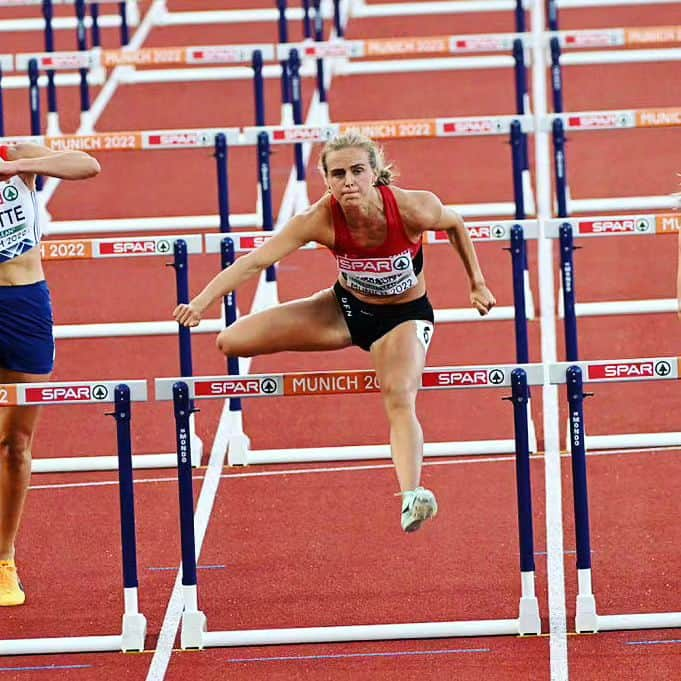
{"x":134,"y":632}
{"x":52,"y":128}
{"x":529,"y":622}
{"x":633,"y":440}
{"x":57,"y":646}
{"x":237,"y":450}
{"x":193,"y":630}
{"x":586,"y":619}
{"x":100,"y":463}
{"x":653,"y":620}
{"x":369,"y":632}
{"x":361,"y":452}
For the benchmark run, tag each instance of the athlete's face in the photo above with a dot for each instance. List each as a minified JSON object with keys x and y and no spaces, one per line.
{"x":349,"y":175}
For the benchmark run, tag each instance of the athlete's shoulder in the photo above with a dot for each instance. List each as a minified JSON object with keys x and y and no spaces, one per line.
{"x":419,"y":209}
{"x":315,"y":223}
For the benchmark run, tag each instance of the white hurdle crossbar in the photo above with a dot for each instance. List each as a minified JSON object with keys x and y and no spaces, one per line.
{"x":604,"y":371}
{"x":134,"y":624}
{"x":194,"y":624}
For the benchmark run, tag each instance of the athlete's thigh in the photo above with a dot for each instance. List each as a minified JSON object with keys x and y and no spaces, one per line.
{"x":19,"y":419}
{"x":314,"y":323}
{"x":399,"y":358}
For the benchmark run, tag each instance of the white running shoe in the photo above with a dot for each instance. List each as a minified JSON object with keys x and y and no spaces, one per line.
{"x":417,"y":505}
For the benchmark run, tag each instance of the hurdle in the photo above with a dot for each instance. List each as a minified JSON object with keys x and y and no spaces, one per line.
{"x":126,"y":247}
{"x":194,"y":623}
{"x":574,"y":375}
{"x":120,"y":394}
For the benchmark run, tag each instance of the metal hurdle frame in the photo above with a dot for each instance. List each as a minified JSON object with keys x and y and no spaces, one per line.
{"x":120,"y":394}
{"x":574,"y":375}
{"x":124,"y":247}
{"x":194,"y":623}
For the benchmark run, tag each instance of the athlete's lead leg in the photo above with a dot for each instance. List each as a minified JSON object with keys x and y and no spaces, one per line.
{"x":399,"y":358}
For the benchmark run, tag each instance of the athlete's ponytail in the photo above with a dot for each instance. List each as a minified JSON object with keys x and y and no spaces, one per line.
{"x":384,"y":172}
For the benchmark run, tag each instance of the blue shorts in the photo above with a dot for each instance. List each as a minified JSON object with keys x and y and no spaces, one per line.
{"x":26,"y":339}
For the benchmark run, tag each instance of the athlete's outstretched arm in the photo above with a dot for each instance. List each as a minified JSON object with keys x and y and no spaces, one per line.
{"x":298,"y":231}
{"x":29,"y":160}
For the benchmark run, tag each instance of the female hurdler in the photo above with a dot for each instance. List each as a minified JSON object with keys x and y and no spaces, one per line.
{"x":26,"y":339}
{"x":379,"y":301}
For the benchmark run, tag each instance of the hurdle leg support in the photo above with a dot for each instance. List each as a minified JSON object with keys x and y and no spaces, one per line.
{"x":586,"y":618}
{"x":529,"y":621}
{"x":239,"y":444}
{"x":194,"y":623}
{"x":134,"y":624}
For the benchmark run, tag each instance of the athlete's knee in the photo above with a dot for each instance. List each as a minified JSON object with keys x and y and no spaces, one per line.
{"x":15,"y":447}
{"x":229,"y":347}
{"x":399,"y":394}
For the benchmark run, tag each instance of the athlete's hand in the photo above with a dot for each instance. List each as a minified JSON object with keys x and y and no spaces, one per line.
{"x":482,"y":299}
{"x":187,"y":314}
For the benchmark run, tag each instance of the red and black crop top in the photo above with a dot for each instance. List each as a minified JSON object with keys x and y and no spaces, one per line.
{"x":386,"y":270}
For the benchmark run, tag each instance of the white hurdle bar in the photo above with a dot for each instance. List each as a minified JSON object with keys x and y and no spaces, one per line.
{"x":119,"y":247}
{"x":614,"y":371}
{"x":336,"y":383}
{"x":194,"y":624}
{"x":134,"y":624}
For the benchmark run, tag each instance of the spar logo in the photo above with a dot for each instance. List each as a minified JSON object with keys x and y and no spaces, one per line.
{"x":604,"y":120}
{"x":67,"y":393}
{"x":236,"y":387}
{"x":375,"y":265}
{"x":251,"y":242}
{"x":474,"y":127}
{"x":621,"y":370}
{"x":487,"y":232}
{"x":465,"y":377}
{"x":402,"y":263}
{"x":137,"y":247}
{"x":302,"y":134}
{"x":180,"y":139}
{"x":615,"y":226}
{"x":10,"y":193}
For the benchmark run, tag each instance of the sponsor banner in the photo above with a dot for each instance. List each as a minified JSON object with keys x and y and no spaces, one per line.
{"x":656,"y":118}
{"x":234,"y":386}
{"x":57,"y":60}
{"x":615,"y":225}
{"x":635,"y":369}
{"x":227,"y":54}
{"x":67,"y":249}
{"x":180,"y":139}
{"x":387,"y":47}
{"x":150,"y":245}
{"x":321,"y":50}
{"x":244,"y":241}
{"x":331,"y":383}
{"x":475,"y":126}
{"x":145,"y":56}
{"x":466,"y":377}
{"x":105,"y":141}
{"x":591,"y":38}
{"x":482,"y":43}
{"x":600,"y":120}
{"x":302,"y":134}
{"x":424,"y":127}
{"x":79,"y":393}
{"x":8,"y":395}
{"x":652,"y":35}
{"x":668,"y":223}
